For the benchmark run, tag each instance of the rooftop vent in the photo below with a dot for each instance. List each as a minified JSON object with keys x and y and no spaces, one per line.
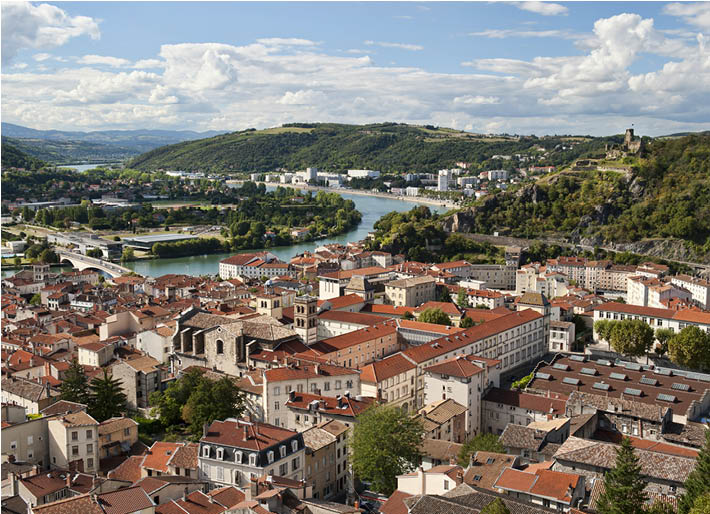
{"x":680,"y":387}
{"x":648,"y":381}
{"x":666,"y":398}
{"x":588,"y":371}
{"x":632,"y":391}
{"x":601,"y":386}
{"x":578,"y":358}
{"x":570,"y":381}
{"x":543,"y":376}
{"x":617,"y":376}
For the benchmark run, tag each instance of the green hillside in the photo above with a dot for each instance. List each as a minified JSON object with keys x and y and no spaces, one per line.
{"x":387,"y":147}
{"x":13,"y":157}
{"x":665,"y":195}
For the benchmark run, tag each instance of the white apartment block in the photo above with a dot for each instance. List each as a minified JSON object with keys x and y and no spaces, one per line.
{"x":699,"y":289}
{"x":363,"y":174}
{"x":652,"y":292}
{"x":497,"y":174}
{"x":252,"y":265}
{"x":410,"y":292}
{"x":676,"y":320}
{"x":562,"y":335}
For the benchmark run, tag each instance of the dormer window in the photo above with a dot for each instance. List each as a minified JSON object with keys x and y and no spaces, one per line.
{"x":238,"y":457}
{"x":270,"y":457}
{"x":252,"y":459}
{"x":205,"y":451}
{"x":294,"y":446}
{"x":220,"y":453}
{"x":282,"y":451}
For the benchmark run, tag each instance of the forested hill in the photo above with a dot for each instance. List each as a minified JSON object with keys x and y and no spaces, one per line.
{"x":660,"y":207}
{"x":15,"y":158}
{"x":388,"y":147}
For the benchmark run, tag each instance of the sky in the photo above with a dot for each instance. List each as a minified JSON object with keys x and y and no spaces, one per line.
{"x":486,"y":67}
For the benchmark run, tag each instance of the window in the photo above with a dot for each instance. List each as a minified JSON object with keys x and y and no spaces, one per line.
{"x":220,"y":453}
{"x":313,"y":388}
{"x":89,"y":434}
{"x":108,"y":437}
{"x":205,"y":451}
{"x":219,"y":471}
{"x":13,"y":445}
{"x":276,"y":405}
{"x":338,"y":384}
{"x":89,"y":463}
{"x":294,"y":446}
{"x":349,"y":384}
{"x":282,"y":451}
{"x":446,"y":485}
{"x":89,"y":448}
{"x":238,"y":457}
{"x":30,"y":439}
{"x":288,"y":389}
{"x":277,"y":391}
{"x":220,"y":346}
{"x":126,"y":431}
{"x":75,"y":436}
{"x":295,"y":464}
{"x":270,"y":457}
{"x":75,"y":450}
{"x":283,"y":469}
{"x":252,"y":459}
{"x":326,"y":386}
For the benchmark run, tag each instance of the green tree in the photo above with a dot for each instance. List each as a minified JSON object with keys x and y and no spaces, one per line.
{"x":437,"y":316}
{"x":385,"y":442}
{"x":462,"y":298}
{"x":18,"y":260}
{"x":698,"y":482}
{"x":467,"y":322}
{"x":701,"y":505}
{"x":495,"y":507}
{"x":212,"y":400}
{"x":408,"y":315}
{"x":445,"y":295}
{"x":603,"y":328}
{"x":631,"y":337}
{"x":107,"y":397}
{"x":128,"y":254}
{"x":663,"y":335}
{"x":48,"y":256}
{"x":484,"y":442}
{"x":623,"y":484}
{"x":690,"y":347}
{"x":75,"y":386}
{"x":96,"y":253}
{"x":168,"y":404}
{"x":36,"y":299}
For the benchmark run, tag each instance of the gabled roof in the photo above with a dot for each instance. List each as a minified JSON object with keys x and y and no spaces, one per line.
{"x":388,"y":367}
{"x":247,"y":435}
{"x":458,"y":366}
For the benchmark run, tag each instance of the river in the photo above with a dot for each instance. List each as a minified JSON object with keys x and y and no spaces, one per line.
{"x":372,"y":209}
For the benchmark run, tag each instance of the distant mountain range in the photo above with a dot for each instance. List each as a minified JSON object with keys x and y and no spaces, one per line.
{"x":61,"y":146}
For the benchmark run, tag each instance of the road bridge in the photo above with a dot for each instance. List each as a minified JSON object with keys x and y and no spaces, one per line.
{"x":82,"y":262}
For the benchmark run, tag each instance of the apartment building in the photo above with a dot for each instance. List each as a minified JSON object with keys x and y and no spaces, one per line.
{"x":74,"y":442}
{"x":140,"y":378}
{"x":303,"y":377}
{"x":235,"y":452}
{"x":320,"y":462}
{"x":252,"y":265}
{"x":485,"y":297}
{"x":332,"y":285}
{"x":676,"y":320}
{"x":501,"y":406}
{"x":391,"y":380}
{"x":444,"y":420}
{"x":699,"y":289}
{"x":514,"y":339}
{"x":306,"y":410}
{"x":410,"y":292}
{"x":355,"y":349}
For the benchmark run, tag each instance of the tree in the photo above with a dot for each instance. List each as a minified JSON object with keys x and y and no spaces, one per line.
{"x":495,"y":507}
{"x":167,"y":405}
{"x":18,"y":260}
{"x":631,"y":337}
{"x":698,"y":482}
{"x":96,"y":253}
{"x":385,"y":442}
{"x":701,"y":505}
{"x":48,"y":256}
{"x":445,"y":295}
{"x":128,"y":254}
{"x":436,"y":316}
{"x":462,"y":298}
{"x":690,"y":347}
{"x":663,"y":335}
{"x":467,"y":322}
{"x":107,"y":397}
{"x":603,"y":328}
{"x":75,"y":386}
{"x":623,"y":484}
{"x":408,"y":315}
{"x":481,"y":442}
{"x":212,"y":400}
{"x":36,"y":299}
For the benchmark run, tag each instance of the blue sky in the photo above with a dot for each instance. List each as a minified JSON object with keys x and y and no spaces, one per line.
{"x":516,"y":67}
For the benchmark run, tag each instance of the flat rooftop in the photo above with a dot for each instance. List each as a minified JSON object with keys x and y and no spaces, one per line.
{"x":162,"y":238}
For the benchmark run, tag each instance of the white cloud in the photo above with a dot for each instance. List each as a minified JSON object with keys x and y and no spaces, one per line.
{"x":402,"y":46}
{"x":279,"y":41}
{"x":19,"y":65}
{"x":693,"y":13}
{"x":544,"y":8}
{"x":403,"y":17}
{"x":301,"y":97}
{"x":144,"y":64}
{"x":507,"y":33}
{"x":477,"y":100}
{"x":104,"y":60}
{"x":356,"y":51}
{"x":41,"y":57}
{"x":25,"y":25}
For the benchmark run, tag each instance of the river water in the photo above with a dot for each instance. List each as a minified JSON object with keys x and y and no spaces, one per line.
{"x":372,"y":209}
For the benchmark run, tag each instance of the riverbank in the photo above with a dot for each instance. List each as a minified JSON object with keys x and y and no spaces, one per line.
{"x":361,"y":192}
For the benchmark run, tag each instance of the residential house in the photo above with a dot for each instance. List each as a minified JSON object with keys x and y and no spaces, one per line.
{"x":74,"y":442}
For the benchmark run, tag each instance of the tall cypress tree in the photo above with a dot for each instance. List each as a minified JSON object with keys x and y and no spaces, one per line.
{"x":107,"y":397}
{"x":624,"y":486}
{"x":698,"y":482}
{"x":75,"y":386}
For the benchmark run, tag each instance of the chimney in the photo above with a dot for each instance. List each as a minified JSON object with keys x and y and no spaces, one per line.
{"x":68,"y":480}
{"x":205,"y":427}
{"x":291,"y":395}
{"x":422,"y":480}
{"x":340,"y":401}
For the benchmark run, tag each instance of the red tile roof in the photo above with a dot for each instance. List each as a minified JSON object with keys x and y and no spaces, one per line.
{"x":305,"y":370}
{"x":388,"y":367}
{"x":241,"y":434}
{"x":533,"y":402}
{"x":358,"y":318}
{"x":349,"y":407}
{"x":459,"y":366}
{"x":331,"y":344}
